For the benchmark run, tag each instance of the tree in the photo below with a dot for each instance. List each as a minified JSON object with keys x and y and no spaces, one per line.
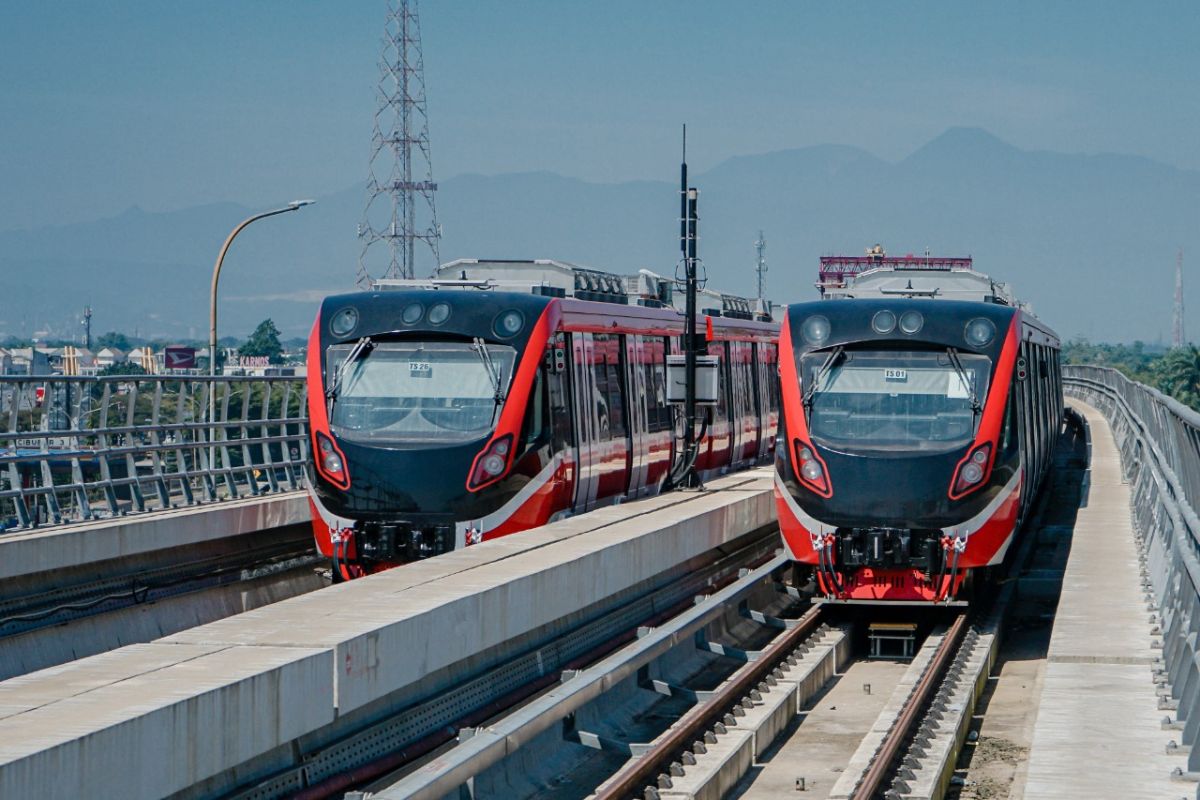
{"x":117,"y":341}
{"x":264,"y":342}
{"x":122,"y":368}
{"x":1178,"y":374}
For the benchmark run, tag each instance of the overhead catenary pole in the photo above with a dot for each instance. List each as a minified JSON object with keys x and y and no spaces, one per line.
{"x":687,"y":243}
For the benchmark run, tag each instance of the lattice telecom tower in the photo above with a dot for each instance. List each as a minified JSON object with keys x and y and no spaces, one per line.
{"x":1178,"y":336}
{"x":760,"y":266}
{"x":400,"y":209}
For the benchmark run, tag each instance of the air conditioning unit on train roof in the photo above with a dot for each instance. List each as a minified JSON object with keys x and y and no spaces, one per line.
{"x":540,"y":276}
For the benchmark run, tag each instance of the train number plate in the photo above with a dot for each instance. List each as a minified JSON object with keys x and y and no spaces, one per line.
{"x":420,"y":369}
{"x":892,"y":374}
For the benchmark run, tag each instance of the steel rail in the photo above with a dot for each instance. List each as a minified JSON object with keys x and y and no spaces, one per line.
{"x":881,"y":765}
{"x":691,"y":726}
{"x":492,"y":744}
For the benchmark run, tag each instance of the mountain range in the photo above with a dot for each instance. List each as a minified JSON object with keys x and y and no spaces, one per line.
{"x":1089,"y":241}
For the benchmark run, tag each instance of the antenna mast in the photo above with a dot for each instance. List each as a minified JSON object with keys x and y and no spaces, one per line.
{"x":760,"y":247}
{"x":1178,"y":336}
{"x":392,"y":223}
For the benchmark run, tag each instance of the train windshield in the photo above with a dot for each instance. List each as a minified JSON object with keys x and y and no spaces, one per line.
{"x":894,"y":400}
{"x":417,"y":393}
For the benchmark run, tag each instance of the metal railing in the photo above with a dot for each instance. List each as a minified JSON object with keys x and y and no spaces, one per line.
{"x":81,"y":448}
{"x":1159,"y":440}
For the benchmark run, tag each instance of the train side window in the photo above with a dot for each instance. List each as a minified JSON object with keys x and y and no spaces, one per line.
{"x":770,"y":376}
{"x":658,"y":412}
{"x":1008,"y":433}
{"x":535,"y":414}
{"x":722,"y":354}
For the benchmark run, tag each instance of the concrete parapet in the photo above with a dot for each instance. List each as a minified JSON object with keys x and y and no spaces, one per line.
{"x":152,"y":719}
{"x":165,"y":715}
{"x":27,"y":553}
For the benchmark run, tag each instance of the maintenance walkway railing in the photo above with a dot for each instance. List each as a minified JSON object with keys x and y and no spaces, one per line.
{"x":83,"y":448}
{"x":1159,"y":440}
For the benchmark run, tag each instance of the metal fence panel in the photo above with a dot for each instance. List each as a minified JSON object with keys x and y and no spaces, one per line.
{"x":82,"y":448}
{"x":1159,"y":441}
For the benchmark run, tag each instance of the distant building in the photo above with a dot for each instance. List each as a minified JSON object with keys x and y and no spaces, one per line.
{"x":109,"y":356}
{"x":145,"y":358}
{"x":5,"y":362}
{"x":30,"y":361}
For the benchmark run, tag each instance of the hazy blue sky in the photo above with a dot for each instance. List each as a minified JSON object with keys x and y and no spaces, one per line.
{"x":165,"y":105}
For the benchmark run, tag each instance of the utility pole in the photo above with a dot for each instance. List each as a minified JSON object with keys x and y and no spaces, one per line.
{"x":688,"y":223}
{"x":1178,"y":335}
{"x":399,"y":150}
{"x":87,"y":327}
{"x":760,"y":247}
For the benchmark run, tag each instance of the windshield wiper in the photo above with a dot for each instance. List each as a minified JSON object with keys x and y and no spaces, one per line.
{"x":962,"y":376}
{"x":820,"y":374}
{"x":489,"y":364}
{"x":359,"y":347}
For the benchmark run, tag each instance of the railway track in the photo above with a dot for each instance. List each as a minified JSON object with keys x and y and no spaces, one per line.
{"x":559,"y":672}
{"x":674,"y":694}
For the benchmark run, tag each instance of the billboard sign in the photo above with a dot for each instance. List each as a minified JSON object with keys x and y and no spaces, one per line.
{"x":180,"y":357}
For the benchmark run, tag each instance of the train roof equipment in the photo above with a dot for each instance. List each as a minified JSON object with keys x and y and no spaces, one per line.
{"x":553,"y":278}
{"x":878,"y":275}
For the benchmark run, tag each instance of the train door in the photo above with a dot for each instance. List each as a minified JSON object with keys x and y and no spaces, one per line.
{"x":736,"y":435}
{"x":660,"y":416}
{"x":583,"y":392}
{"x":719,"y":451}
{"x":747,"y":408}
{"x":764,"y":375}
{"x":611,"y":403}
{"x":639,"y":440}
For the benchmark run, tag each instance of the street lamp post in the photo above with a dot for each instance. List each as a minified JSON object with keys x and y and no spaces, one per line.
{"x":212,"y":315}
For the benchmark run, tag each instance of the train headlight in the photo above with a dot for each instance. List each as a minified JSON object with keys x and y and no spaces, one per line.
{"x":344,"y":321}
{"x":979,"y":332}
{"x":815,"y":329}
{"x":412,"y":313}
{"x":508,"y":324}
{"x":491,"y":464}
{"x":811,"y":471}
{"x":911,"y":322}
{"x":884,"y":322}
{"x":971,"y":471}
{"x":331,"y":463}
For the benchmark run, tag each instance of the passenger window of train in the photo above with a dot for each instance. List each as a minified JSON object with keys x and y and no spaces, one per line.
{"x":1008,"y":434}
{"x":658,"y":412}
{"x":722,"y":409}
{"x":535,"y":414}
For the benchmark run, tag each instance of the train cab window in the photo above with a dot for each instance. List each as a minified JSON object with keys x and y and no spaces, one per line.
{"x":417,"y":393}
{"x":880,"y":400}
